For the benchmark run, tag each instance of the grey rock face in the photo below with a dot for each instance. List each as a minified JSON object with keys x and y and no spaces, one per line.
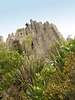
{"x":44,"y":35}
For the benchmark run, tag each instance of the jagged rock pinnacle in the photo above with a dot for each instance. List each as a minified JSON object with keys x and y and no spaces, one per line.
{"x":44,"y":35}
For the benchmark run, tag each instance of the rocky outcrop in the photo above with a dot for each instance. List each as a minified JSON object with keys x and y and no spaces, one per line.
{"x":1,"y":39}
{"x":44,"y":35}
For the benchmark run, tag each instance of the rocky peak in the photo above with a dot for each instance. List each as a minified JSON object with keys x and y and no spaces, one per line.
{"x":44,"y":35}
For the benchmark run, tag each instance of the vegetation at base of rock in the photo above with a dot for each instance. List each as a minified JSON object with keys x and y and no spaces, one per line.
{"x":27,"y":44}
{"x":16,"y":46}
{"x":39,"y":78}
{"x":61,"y":86}
{"x":59,"y":50}
{"x":4,"y":45}
{"x":9,"y":62}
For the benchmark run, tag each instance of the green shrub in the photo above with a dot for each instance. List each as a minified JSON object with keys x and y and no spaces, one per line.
{"x":60,"y":86}
{"x":33,"y":78}
{"x":18,"y":30}
{"x":59,"y":50}
{"x":9,"y":62}
{"x":4,"y":45}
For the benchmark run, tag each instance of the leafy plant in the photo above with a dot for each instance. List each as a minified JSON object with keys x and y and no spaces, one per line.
{"x":59,"y":50}
{"x":9,"y":62}
{"x":60,"y":85}
{"x":33,"y":78}
{"x":18,"y":30}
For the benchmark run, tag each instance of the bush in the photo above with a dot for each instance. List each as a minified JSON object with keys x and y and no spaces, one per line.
{"x":18,"y":30}
{"x":60,"y":86}
{"x":32,"y":78}
{"x":59,"y":50}
{"x":9,"y":62}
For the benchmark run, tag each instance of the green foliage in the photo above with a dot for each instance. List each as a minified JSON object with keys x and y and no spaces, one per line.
{"x":16,"y":46}
{"x":59,"y":50}
{"x":9,"y":61}
{"x":27,"y":44}
{"x":39,"y":78}
{"x":18,"y":30}
{"x":32,"y":79}
{"x":4,"y":45}
{"x":60,"y":87}
{"x":72,"y":45}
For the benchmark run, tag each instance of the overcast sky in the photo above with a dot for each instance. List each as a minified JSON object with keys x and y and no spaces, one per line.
{"x":15,"y":13}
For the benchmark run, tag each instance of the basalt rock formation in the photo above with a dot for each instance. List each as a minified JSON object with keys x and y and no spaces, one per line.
{"x":44,"y":35}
